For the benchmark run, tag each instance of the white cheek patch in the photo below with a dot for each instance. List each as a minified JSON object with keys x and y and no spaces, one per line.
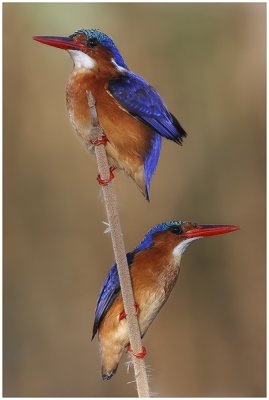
{"x":181,"y":247}
{"x":82,"y":60}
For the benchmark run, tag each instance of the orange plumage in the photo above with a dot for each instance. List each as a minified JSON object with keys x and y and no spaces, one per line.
{"x":154,"y":267}
{"x":131,"y":113}
{"x":154,"y":273}
{"x":129,"y":139}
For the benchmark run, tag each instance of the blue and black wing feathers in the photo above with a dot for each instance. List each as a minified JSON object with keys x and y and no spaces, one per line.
{"x":142,"y":101}
{"x":110,"y":290}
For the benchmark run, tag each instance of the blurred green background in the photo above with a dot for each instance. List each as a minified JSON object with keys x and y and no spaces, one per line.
{"x":208,"y":62}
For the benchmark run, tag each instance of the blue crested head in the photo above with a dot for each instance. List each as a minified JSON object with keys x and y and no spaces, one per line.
{"x":95,"y":37}
{"x":173,"y":226}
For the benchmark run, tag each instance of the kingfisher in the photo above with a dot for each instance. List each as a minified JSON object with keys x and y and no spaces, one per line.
{"x":154,"y":267}
{"x":131,"y":113}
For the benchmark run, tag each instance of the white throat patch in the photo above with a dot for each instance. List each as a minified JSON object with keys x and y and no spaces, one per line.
{"x":181,"y":247}
{"x":81,"y":60}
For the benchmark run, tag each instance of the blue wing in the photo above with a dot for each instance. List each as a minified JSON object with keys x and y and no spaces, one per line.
{"x":142,"y":101}
{"x":110,"y":290}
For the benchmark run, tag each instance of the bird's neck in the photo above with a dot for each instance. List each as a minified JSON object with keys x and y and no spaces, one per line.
{"x":104,"y":68}
{"x":161,"y":256}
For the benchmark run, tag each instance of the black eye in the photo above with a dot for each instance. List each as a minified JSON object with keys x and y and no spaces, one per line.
{"x":92,"y":42}
{"x":176,"y":230}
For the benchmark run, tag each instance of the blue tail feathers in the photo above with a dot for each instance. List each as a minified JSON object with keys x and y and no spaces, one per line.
{"x":151,"y":161}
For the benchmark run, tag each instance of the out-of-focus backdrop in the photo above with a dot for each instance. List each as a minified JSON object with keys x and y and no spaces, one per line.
{"x":208,"y":62}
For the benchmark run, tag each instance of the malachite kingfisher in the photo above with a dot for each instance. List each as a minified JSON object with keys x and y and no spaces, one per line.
{"x":154,"y":267}
{"x":132,"y":114}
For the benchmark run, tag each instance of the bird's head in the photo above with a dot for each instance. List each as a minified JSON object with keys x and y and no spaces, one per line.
{"x":89,"y":48}
{"x":177,"y":235}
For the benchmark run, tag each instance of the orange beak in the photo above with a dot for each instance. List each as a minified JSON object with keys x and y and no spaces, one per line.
{"x":210,"y":230}
{"x":65,"y":43}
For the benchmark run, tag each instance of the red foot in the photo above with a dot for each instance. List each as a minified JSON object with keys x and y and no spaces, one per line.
{"x":142,"y":354}
{"x":137,"y":309}
{"x":105,"y":182}
{"x":102,"y":140}
{"x":123,"y":314}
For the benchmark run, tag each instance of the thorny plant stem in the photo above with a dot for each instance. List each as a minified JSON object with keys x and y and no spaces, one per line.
{"x":120,"y":253}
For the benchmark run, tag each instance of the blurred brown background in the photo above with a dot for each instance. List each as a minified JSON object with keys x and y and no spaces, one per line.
{"x":208,"y":62}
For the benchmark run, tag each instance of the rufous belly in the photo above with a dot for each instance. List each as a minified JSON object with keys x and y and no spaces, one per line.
{"x":129,"y":138}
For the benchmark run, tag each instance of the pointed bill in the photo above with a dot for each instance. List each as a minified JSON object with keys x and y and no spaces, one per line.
{"x":210,"y":230}
{"x":61,"y":42}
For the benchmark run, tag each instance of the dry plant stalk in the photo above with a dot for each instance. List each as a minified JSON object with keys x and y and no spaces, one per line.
{"x":120,"y":253}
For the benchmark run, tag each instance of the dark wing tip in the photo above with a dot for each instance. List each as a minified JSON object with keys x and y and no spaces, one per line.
{"x":106,"y":376}
{"x":95,"y":329}
{"x":147,"y":195}
{"x":181,"y":133}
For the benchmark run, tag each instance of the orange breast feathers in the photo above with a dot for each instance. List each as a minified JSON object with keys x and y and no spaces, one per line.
{"x":153,"y":273}
{"x":129,"y":138}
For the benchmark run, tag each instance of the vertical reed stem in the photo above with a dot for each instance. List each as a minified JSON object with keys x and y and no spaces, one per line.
{"x":120,"y":253}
